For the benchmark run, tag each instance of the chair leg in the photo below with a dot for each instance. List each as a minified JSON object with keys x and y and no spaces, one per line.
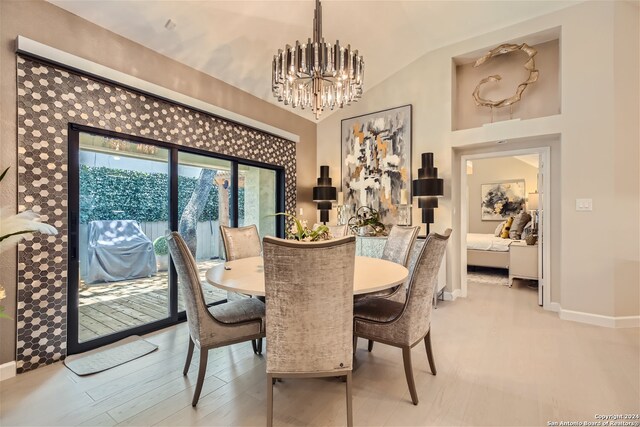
{"x":257,"y":346}
{"x":270,"y":381}
{"x":370,"y":346}
{"x":427,"y":345}
{"x":349,"y":402}
{"x":355,"y":345}
{"x":408,"y":371}
{"x":189,"y":356}
{"x":204,"y":353}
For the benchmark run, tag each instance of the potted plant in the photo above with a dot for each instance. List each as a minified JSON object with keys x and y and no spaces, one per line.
{"x":366,"y":222}
{"x":300,"y":230}
{"x":161,"y":249}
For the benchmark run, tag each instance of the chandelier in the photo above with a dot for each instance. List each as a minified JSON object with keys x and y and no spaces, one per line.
{"x":316,"y":74}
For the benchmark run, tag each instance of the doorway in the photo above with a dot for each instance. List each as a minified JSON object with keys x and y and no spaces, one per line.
{"x":537,"y":203}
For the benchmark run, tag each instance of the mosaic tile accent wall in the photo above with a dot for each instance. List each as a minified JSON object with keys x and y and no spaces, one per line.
{"x":49,"y":98}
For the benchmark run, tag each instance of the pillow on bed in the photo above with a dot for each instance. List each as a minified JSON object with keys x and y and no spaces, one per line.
{"x":499,"y":229}
{"x":518,"y":225}
{"x":527,"y":230}
{"x":507,"y":226}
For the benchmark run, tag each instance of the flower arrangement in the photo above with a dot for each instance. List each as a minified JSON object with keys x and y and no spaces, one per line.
{"x":13,"y":229}
{"x":300,"y":230}
{"x":366,"y":222}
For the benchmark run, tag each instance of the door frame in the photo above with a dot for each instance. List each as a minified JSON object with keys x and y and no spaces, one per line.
{"x":544,"y":209}
{"x":73,"y":270}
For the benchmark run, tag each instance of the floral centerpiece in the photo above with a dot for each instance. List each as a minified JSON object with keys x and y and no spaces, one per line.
{"x":366,"y":222}
{"x":15,"y":228}
{"x":300,"y":230}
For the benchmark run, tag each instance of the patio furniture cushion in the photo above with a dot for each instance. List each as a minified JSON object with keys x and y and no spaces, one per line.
{"x":239,"y":311}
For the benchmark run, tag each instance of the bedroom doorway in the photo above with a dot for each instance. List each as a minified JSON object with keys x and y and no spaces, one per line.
{"x":506,"y":184}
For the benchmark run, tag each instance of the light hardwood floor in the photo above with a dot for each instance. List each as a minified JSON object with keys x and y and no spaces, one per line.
{"x":501,"y":361}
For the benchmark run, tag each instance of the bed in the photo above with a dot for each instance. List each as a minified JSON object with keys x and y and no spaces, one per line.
{"x":487,"y":250}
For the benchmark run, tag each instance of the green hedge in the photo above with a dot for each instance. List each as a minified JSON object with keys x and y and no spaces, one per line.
{"x":107,"y":194}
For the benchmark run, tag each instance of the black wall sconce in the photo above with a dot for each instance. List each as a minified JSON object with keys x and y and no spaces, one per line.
{"x":427,"y":188}
{"x":324,"y":194}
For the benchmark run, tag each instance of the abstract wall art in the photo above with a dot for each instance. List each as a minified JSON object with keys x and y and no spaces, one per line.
{"x":501,"y":200}
{"x":376,"y":161}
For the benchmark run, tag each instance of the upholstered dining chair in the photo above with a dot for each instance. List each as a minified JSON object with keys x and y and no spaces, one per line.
{"x":397,"y":248}
{"x":304,"y":337}
{"x":211,"y":327}
{"x":241,"y":242}
{"x":405,"y":324}
{"x":338,"y":231}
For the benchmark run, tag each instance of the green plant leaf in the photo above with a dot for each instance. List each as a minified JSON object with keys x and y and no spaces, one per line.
{"x":301,"y":233}
{"x":4,"y":315}
{"x":315,"y":234}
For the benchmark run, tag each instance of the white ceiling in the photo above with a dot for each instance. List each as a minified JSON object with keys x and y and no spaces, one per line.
{"x":530,"y":159}
{"x":235,"y":41}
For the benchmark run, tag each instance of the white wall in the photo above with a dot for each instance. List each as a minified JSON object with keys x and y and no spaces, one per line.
{"x":498,"y":169}
{"x":598,"y":80}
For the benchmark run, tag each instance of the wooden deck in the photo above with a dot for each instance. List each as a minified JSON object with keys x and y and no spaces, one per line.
{"x":111,"y":307}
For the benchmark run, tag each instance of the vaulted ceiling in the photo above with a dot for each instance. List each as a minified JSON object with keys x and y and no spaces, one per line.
{"x":235,"y":41}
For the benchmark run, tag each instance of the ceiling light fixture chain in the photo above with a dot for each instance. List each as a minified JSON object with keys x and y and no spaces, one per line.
{"x":316,"y":74}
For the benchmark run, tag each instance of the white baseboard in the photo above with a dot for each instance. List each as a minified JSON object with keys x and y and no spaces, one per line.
{"x":628,"y":322}
{"x":452,"y":296}
{"x":553,"y":306}
{"x":600,"y":320}
{"x":7,"y":370}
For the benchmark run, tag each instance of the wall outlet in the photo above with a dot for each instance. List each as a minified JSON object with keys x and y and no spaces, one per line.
{"x":584,"y":205}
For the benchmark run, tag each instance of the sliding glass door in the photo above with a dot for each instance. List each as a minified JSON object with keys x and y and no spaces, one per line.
{"x":124,"y":209}
{"x":257,"y":198}
{"x":204,"y":200}
{"x":125,"y":194}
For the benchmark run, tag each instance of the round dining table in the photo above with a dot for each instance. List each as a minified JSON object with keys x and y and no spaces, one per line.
{"x":246,"y":275}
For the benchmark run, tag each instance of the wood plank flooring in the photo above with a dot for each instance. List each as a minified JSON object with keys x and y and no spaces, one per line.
{"x":501,"y":360}
{"x":106,"y":308}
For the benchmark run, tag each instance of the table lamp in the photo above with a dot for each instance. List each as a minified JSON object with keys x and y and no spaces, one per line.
{"x":324,"y":194}
{"x":427,"y":188}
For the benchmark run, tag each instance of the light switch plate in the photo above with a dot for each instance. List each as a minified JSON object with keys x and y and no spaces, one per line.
{"x":584,"y":205}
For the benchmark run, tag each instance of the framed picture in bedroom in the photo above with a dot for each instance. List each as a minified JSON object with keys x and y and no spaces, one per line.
{"x":376,"y":161}
{"x":501,"y":200}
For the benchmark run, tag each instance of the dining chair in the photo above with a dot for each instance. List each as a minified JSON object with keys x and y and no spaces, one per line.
{"x":338,"y":231}
{"x":309,"y":308}
{"x":238,"y":243}
{"x":397,"y":248}
{"x":405,"y":324}
{"x":216,"y":326}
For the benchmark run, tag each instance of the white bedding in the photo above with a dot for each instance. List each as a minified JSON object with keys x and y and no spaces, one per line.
{"x":487,"y":242}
